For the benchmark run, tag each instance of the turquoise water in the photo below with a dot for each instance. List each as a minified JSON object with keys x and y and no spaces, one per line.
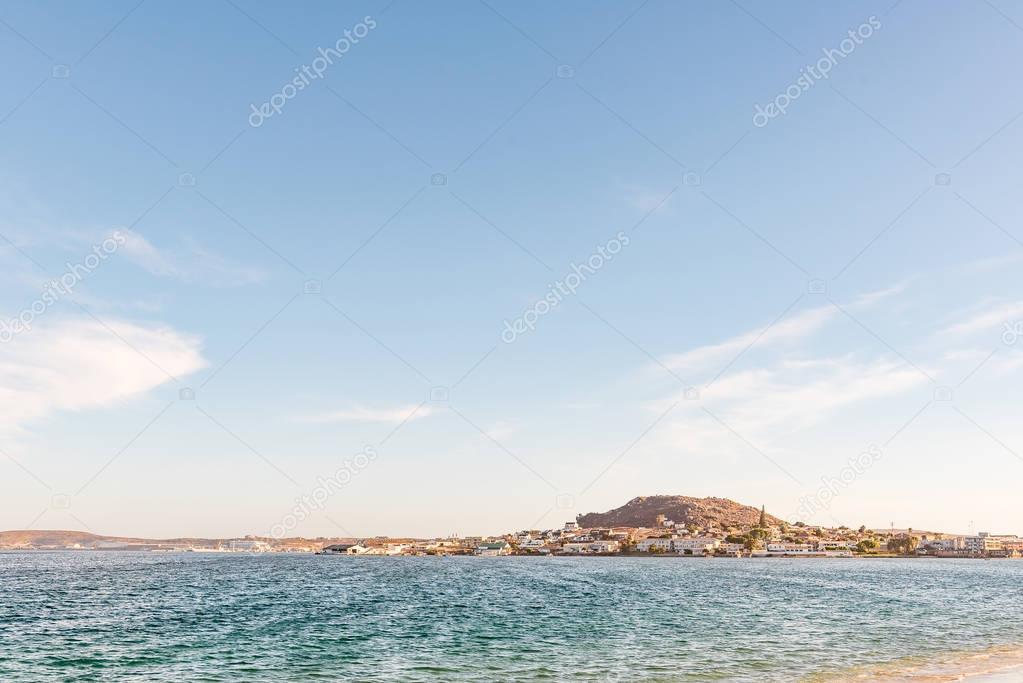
{"x":91,"y":616}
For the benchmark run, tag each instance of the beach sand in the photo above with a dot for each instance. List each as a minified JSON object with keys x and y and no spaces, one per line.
{"x":1003,"y":664}
{"x":1008,"y":676}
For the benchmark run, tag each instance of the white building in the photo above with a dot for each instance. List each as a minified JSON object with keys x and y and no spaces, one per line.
{"x":247,"y":546}
{"x":683,"y":545}
{"x":790,"y":548}
{"x":493,"y":549}
{"x":343,"y":549}
{"x":835,"y":545}
{"x":647,"y":545}
{"x":590,"y":547}
{"x":947,"y":545}
{"x":697,"y":545}
{"x":982,"y":542}
{"x":731,"y":548}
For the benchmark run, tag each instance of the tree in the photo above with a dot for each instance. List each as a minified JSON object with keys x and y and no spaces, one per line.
{"x":867,"y":545}
{"x":904,"y":545}
{"x":763,"y":518}
{"x":753,"y":542}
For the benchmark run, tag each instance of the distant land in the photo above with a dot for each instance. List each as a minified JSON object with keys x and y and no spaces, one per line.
{"x":46,"y":537}
{"x":665,"y":525}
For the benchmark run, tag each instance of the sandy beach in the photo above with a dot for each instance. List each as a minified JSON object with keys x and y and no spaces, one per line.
{"x":1003,"y":664}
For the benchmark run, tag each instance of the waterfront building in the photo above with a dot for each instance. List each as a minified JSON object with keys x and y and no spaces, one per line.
{"x":790,"y":548}
{"x":696,"y":545}
{"x":664,"y":545}
{"x":493,"y":549}
{"x":590,"y":547}
{"x":831,"y":544}
{"x":982,"y":543}
{"x":247,"y":546}
{"x":344,"y":549}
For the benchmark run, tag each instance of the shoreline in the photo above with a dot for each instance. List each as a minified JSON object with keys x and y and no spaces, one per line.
{"x":995,"y":664}
{"x":646,"y":555}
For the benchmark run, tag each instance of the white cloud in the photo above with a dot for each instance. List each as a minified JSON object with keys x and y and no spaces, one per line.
{"x":787,"y":391}
{"x":791,"y":328}
{"x":79,"y":364}
{"x":501,"y":430}
{"x":766,"y":405}
{"x":871,"y":298}
{"x":192,"y":264}
{"x":364,"y":414}
{"x":1011,"y":258}
{"x":993,"y":318}
{"x":647,"y":200}
{"x":709,"y":358}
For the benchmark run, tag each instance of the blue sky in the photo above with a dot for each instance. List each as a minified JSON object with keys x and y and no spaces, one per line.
{"x":791,"y":295}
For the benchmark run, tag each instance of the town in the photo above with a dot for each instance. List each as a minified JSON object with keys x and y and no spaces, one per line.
{"x":669,"y":539}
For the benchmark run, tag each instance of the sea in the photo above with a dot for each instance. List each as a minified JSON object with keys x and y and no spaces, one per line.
{"x":135,"y":616}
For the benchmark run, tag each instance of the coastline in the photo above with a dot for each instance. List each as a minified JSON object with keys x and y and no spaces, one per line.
{"x":997,"y":664}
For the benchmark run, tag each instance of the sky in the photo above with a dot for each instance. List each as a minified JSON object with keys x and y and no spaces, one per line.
{"x":367,"y":268}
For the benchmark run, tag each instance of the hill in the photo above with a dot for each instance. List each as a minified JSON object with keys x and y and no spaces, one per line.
{"x":682,"y":510}
{"x":61,"y":538}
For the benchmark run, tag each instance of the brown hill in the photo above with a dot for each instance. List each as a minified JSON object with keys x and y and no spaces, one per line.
{"x":46,"y":537}
{"x":683,"y":510}
{"x":57,"y":537}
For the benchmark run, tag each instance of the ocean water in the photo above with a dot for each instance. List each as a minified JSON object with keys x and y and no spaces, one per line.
{"x":112,"y":616}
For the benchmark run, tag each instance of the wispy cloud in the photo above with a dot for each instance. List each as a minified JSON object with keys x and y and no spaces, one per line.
{"x":991,"y":263}
{"x":785,"y":390}
{"x":793,"y":395}
{"x":80,"y":364}
{"x":870,"y":298}
{"x":646,"y":199}
{"x":364,"y":414}
{"x":191,"y":263}
{"x":795,"y":327}
{"x":501,"y":430}
{"x":993,"y":317}
{"x":792,"y":327}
